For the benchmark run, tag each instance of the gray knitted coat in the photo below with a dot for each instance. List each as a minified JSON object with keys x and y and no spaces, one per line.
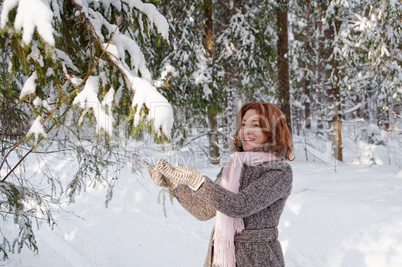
{"x":260,"y":202}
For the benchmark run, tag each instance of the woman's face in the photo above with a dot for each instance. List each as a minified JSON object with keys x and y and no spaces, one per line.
{"x":251,"y":134}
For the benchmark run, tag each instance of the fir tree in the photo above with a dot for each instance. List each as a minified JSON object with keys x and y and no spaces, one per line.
{"x":237,"y":66}
{"x":73,"y":74}
{"x":342,"y":60}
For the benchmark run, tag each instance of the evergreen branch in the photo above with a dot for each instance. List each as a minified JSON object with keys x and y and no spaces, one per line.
{"x":88,"y":73}
{"x":61,"y":103}
{"x":122,"y":71}
{"x":100,"y":44}
{"x":67,"y":149}
{"x":8,"y":153}
{"x":29,"y":152}
{"x":104,"y":49}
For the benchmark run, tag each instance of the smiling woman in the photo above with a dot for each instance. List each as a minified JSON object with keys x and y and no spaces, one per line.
{"x":248,"y":195}
{"x":262,"y":126}
{"x":251,"y":133}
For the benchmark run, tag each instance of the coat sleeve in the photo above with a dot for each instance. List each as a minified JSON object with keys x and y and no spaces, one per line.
{"x":275,"y":183}
{"x":198,"y":208}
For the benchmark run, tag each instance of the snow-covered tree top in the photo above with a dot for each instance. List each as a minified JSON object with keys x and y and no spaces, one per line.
{"x":120,"y":44}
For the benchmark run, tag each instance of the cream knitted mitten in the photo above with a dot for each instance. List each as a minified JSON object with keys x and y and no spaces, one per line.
{"x":159,"y":179}
{"x":180,"y":174}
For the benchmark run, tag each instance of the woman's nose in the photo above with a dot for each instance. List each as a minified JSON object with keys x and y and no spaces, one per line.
{"x":247,"y":130}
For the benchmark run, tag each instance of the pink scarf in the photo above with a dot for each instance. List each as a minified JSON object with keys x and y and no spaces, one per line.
{"x":225,"y":226}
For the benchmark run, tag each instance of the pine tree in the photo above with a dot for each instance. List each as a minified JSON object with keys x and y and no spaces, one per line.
{"x":240,"y":66}
{"x":189,"y":76}
{"x":74,"y":82}
{"x":342,"y":60}
{"x":378,"y":29}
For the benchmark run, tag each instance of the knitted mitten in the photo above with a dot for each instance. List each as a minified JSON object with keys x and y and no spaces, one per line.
{"x":159,"y":179}
{"x":181,"y":174}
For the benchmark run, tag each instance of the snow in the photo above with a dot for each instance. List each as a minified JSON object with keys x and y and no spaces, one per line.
{"x":38,"y":102}
{"x":88,"y":99}
{"x":124,"y":43}
{"x":349,"y":218}
{"x":160,"y":111}
{"x":7,"y":6}
{"x":356,"y":107}
{"x":107,"y":101}
{"x":31,"y":14}
{"x":65,"y":59}
{"x":153,"y":15}
{"x":168,"y":70}
{"x":367,"y":155}
{"x":111,"y":49}
{"x":37,"y":14}
{"x":35,"y":54}
{"x":29,"y":86}
{"x":37,"y":129}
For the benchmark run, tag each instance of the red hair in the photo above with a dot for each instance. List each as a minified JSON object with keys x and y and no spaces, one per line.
{"x":273,"y":123}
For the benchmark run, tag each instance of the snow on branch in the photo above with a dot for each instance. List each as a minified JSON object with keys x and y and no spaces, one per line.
{"x":37,"y":129}
{"x":153,"y":15}
{"x":119,"y":44}
{"x":31,"y":14}
{"x":29,"y":86}
{"x":353,"y":109}
{"x":88,"y":99}
{"x":160,"y":111}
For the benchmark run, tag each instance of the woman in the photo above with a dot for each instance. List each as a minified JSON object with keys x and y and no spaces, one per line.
{"x":249,"y":194}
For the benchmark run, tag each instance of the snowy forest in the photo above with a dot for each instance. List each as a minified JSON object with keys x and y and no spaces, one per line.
{"x":104,"y":83}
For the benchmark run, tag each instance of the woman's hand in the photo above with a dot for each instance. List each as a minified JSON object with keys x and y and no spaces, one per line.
{"x":159,"y":179}
{"x":180,"y":174}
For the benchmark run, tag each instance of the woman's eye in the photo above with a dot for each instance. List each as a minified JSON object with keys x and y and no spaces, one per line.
{"x":256,"y":125}
{"x":243,"y":124}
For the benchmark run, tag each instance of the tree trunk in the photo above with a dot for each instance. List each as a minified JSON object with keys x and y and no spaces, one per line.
{"x":387,"y":118}
{"x":208,"y":38}
{"x":333,"y":90}
{"x":282,"y":62}
{"x":320,"y":69}
{"x":223,"y":12}
{"x":213,"y":138}
{"x":208,"y":43}
{"x":307,"y":83}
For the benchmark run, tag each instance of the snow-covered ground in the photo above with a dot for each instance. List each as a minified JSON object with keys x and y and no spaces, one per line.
{"x":351,"y":217}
